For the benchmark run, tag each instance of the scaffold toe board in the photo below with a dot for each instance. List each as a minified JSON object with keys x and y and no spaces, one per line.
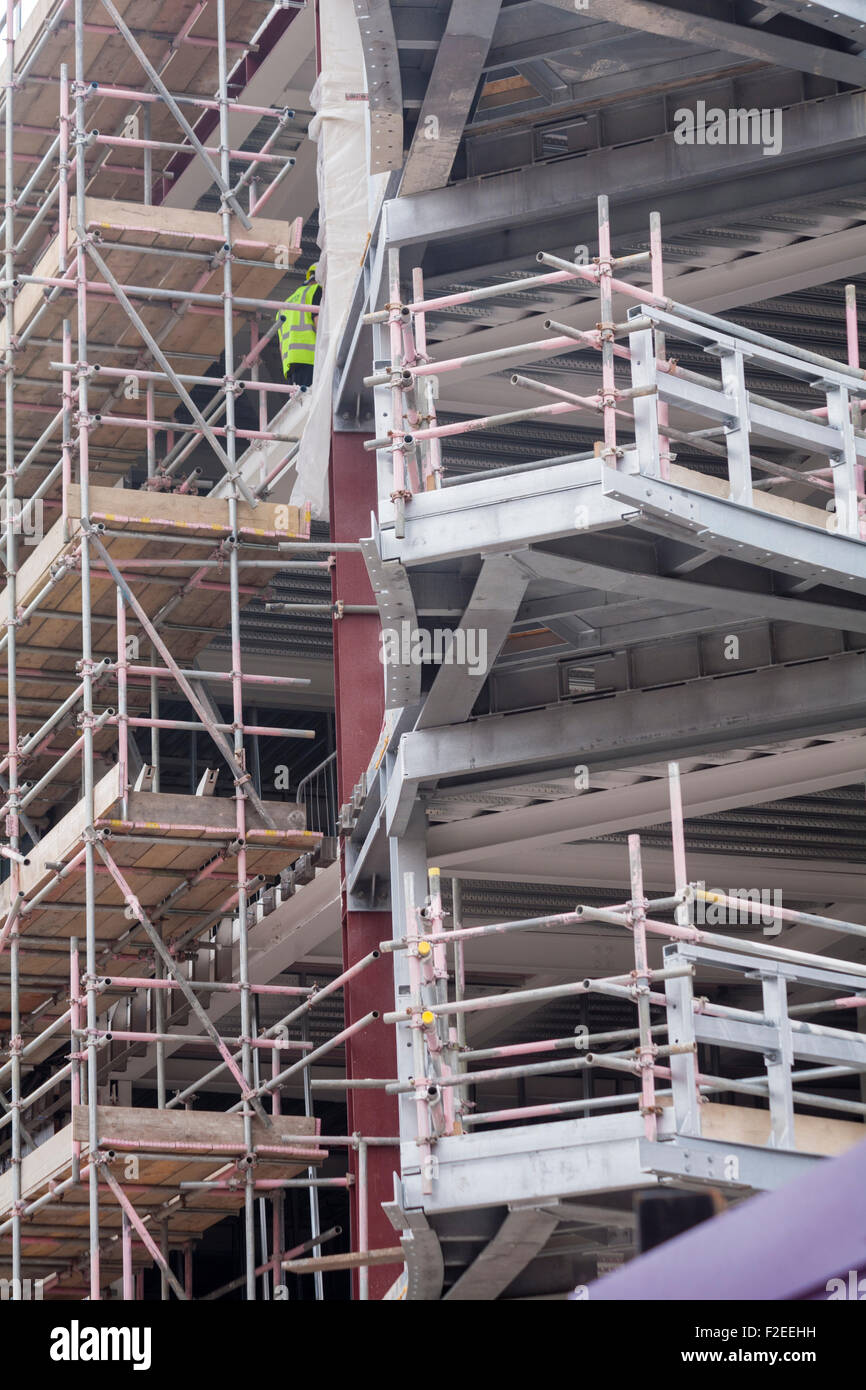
{"x":815,"y":1134}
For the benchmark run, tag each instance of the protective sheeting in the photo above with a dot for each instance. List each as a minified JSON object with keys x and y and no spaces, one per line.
{"x":349,"y":202}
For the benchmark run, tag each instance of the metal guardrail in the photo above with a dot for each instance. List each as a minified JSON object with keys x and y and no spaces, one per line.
{"x":737,"y":416}
{"x":317,"y":793}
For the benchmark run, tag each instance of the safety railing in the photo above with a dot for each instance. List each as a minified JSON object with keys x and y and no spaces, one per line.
{"x":407,"y":388}
{"x":317,"y":793}
{"x":662,"y":1056}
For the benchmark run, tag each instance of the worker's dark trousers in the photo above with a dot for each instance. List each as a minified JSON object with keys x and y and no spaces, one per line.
{"x":301,"y":374}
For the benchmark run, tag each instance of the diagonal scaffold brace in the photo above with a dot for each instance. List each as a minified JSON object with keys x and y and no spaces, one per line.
{"x":147,"y":1240}
{"x":171,"y":966}
{"x":240,"y":773}
{"x":160,"y":357}
{"x":160,"y":87}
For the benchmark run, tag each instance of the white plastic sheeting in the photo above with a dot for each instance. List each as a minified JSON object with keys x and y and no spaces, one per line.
{"x":349,"y":201}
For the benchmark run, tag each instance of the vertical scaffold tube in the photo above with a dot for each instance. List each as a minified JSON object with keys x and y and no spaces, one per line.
{"x":86,"y":652}
{"x":605,"y":291}
{"x":237,"y":681}
{"x":658,"y":287}
{"x":11,"y":617}
{"x":75,"y":1044}
{"x":398,"y":452}
{"x":637,"y":915}
{"x":315,"y":1222}
{"x":459,"y":982}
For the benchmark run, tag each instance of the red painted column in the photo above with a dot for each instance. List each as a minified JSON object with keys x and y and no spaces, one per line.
{"x":360,"y":707}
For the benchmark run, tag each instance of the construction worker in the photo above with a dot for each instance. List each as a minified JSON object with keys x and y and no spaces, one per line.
{"x":297,"y":332}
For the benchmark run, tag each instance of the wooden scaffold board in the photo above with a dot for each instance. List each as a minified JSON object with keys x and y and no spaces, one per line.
{"x":49,"y":642}
{"x":191,"y":69}
{"x":123,"y":233}
{"x":195,"y":1144}
{"x":165,"y":840}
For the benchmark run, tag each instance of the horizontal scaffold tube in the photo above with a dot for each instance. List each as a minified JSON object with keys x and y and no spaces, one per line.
{"x":532,"y":996}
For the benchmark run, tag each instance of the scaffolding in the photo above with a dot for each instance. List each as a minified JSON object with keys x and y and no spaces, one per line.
{"x":135,"y":899}
{"x":134,"y":904}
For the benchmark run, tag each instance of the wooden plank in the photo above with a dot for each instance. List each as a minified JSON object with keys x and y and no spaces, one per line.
{"x":172,"y":511}
{"x":164,"y":810}
{"x":35,"y":572}
{"x":65,"y":837}
{"x":203,"y":1128}
{"x":763,"y":501}
{"x":60,"y":1230}
{"x":157,"y":221}
{"x":48,"y":1163}
{"x":748,"y":1124}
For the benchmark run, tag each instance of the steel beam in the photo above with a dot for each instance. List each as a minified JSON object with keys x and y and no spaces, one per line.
{"x":425,"y":1264}
{"x":500,"y":514}
{"x":490,"y":614}
{"x":814,"y":130}
{"x":604,"y":866}
{"x":753,"y":600}
{"x":535,"y":1165}
{"x":568,"y":500}
{"x":418,"y":28}
{"x":393,"y":591}
{"x":639,"y":726}
{"x":742,"y":533}
{"x":384,"y":86}
{"x":707,"y":1160}
{"x":450,"y":93}
{"x":522,"y":1235}
{"x":706,"y":792}
{"x":847,"y":19}
{"x":764,"y":275}
{"x":673,"y":22}
{"x":681,"y":68}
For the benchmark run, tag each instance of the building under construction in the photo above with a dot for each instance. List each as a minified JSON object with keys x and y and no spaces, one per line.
{"x":434,"y":831}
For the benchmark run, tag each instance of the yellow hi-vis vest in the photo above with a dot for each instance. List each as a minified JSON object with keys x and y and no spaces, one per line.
{"x":297,"y":330}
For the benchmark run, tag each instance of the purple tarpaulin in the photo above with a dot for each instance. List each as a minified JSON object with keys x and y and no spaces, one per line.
{"x":787,"y":1244}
